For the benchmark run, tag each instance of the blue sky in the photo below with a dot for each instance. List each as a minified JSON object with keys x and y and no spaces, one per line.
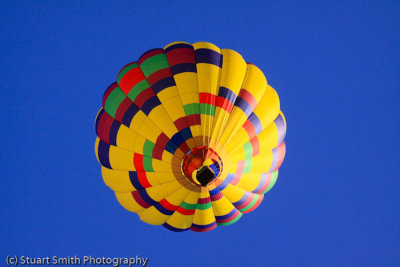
{"x":334,"y":64}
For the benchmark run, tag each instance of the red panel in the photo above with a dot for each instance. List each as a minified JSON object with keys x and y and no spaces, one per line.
{"x":181,"y":123}
{"x":130,"y":79}
{"x":248,"y":97}
{"x":103,"y":128}
{"x":162,"y":140}
{"x":217,"y":196}
{"x":139,"y":200}
{"x":255,"y":144}
{"x":230,"y":218}
{"x":181,"y":55}
{"x":207,"y":98}
{"x":267,"y":182}
{"x":249,"y":128}
{"x":224,"y":103}
{"x":203,"y":200}
{"x":194,"y":119}
{"x":258,"y":202}
{"x":123,"y":107}
{"x":143,"y":179}
{"x":281,"y":155}
{"x":184,"y":147}
{"x":193,"y":228}
{"x":157,"y":152}
{"x":138,"y":162}
{"x":247,"y":202}
{"x":168,"y":205}
{"x":143,"y":97}
{"x":185,"y":211}
{"x":159,"y":75}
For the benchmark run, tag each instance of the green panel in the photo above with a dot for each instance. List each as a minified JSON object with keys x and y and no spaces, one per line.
{"x":248,"y":149}
{"x":231,"y":222}
{"x":247,"y":163}
{"x":113,"y":101}
{"x":148,"y":148}
{"x":137,"y":89}
{"x":188,"y":206}
{"x":251,"y":204}
{"x":153,"y":64}
{"x":125,"y":70}
{"x":148,"y":164}
{"x":207,"y":109}
{"x":203,"y":206}
{"x":191,"y":109}
{"x":273,"y":181}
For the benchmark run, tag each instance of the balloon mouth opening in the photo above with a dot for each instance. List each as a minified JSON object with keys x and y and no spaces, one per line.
{"x":205,"y":175}
{"x":201,"y":166}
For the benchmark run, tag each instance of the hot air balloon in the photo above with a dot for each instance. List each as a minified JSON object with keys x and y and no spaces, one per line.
{"x":190,"y":136}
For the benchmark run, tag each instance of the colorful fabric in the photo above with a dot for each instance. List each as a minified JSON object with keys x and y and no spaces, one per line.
{"x":190,"y":137}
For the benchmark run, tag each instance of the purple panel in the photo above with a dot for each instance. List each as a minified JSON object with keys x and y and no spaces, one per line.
{"x":176,"y":46}
{"x":151,"y":103}
{"x":256,"y":123}
{"x":162,"y":84}
{"x":280,"y":124}
{"x":209,"y":56}
{"x":129,"y":114}
{"x":184,"y":67}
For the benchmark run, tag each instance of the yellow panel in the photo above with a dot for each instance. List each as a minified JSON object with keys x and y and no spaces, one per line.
{"x":233,"y":193}
{"x":208,"y":80}
{"x":208,"y":76}
{"x":161,"y":166}
{"x":177,"y":197}
{"x":186,"y":82}
{"x":126,"y":138}
{"x":167,"y":157}
{"x":153,"y":216}
{"x":206,"y":45}
{"x":189,"y":98}
{"x":128,"y":202}
{"x":235,"y":122}
{"x":156,"y":178}
{"x":160,"y":116}
{"x":268,"y":138}
{"x":255,"y":82}
{"x":117,"y":180}
{"x":174,"y":107}
{"x":168,"y":93}
{"x":221,"y":117}
{"x":249,"y":181}
{"x":222,"y":206}
{"x":137,"y":120}
{"x":268,"y":108}
{"x":138,"y":145}
{"x":238,"y":155}
{"x":121,"y":159}
{"x":192,"y":197}
{"x":239,"y":139}
{"x":261,"y":163}
{"x":159,"y":192}
{"x":204,"y":217}
{"x":180,"y":221}
{"x":233,"y":70}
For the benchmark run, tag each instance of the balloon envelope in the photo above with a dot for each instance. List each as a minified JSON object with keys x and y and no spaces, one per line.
{"x":190,"y":136}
